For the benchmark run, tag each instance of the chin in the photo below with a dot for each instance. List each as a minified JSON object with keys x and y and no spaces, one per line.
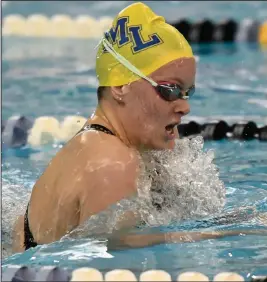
{"x":169,"y":145}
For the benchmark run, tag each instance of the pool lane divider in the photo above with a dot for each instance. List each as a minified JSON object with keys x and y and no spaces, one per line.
{"x":20,"y":131}
{"x":219,"y":130}
{"x":85,"y":26}
{"x":53,"y":273}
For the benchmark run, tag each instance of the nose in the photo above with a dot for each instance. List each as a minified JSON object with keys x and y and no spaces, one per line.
{"x":182,"y":107}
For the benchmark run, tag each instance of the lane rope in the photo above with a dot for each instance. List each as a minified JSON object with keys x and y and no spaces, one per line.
{"x":84,"y":26}
{"x":19,"y":131}
{"x":54,"y":273}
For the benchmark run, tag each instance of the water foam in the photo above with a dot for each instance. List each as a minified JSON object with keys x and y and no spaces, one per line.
{"x":180,"y":184}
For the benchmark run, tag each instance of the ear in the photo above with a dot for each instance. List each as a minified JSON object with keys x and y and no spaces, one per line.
{"x":118,"y":92}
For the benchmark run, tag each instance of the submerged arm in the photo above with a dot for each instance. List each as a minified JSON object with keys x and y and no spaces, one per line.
{"x":145,"y":240}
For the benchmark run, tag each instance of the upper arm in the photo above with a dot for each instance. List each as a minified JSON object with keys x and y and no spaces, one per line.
{"x":18,"y":235}
{"x":110,"y":176}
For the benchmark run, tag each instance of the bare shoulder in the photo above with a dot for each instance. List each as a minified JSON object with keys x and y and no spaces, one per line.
{"x":105,"y":153}
{"x":110,"y":160}
{"x":110,"y":174}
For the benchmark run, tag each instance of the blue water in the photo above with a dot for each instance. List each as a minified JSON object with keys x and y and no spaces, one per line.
{"x":57,"y":78}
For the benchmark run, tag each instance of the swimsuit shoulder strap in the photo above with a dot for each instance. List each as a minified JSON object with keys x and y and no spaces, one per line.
{"x":97,"y":127}
{"x":28,"y":237}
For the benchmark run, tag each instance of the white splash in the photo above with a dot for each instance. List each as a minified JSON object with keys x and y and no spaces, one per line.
{"x":180,"y":184}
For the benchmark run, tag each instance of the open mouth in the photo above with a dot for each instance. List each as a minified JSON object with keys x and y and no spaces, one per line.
{"x":170,"y":128}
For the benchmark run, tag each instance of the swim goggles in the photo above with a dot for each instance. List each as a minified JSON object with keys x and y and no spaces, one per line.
{"x":167,"y":91}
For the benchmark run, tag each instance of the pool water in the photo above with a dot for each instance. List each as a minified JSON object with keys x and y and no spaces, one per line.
{"x":243,"y":169}
{"x":57,"y":78}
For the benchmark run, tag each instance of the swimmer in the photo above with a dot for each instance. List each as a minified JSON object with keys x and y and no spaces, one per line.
{"x":146,"y":73}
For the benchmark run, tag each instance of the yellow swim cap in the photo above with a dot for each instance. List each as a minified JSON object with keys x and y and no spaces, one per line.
{"x":144,"y":39}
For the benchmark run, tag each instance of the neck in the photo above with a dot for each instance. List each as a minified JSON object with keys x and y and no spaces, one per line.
{"x":106,"y":115}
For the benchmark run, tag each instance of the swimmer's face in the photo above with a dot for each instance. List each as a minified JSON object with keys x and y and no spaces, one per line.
{"x":150,"y":121}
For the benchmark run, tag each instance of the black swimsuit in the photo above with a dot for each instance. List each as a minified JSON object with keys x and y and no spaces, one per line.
{"x":28,"y":237}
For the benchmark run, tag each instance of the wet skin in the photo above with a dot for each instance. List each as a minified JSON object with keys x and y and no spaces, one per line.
{"x":95,"y":170}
